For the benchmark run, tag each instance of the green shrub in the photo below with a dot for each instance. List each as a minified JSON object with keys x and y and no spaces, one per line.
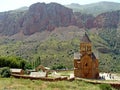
{"x":105,"y":87}
{"x":58,"y":67}
{"x":12,"y":62}
{"x":5,"y":72}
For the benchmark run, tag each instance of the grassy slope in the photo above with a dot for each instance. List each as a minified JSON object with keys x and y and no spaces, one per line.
{"x":22,"y":84}
{"x":58,"y":47}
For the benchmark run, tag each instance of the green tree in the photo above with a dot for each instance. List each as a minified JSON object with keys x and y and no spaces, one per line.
{"x":5,"y":72}
{"x":58,"y":67}
{"x":37,"y":62}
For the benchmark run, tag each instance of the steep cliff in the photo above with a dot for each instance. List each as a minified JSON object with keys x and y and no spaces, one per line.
{"x":107,"y":20}
{"x":38,"y":17}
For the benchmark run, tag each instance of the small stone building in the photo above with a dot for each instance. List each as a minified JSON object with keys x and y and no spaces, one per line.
{"x":17,"y":71}
{"x":86,"y":63}
{"x":38,"y":74}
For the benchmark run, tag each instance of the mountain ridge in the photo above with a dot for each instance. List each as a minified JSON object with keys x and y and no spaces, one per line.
{"x":41,"y":16}
{"x":95,"y":8}
{"x":38,"y":17}
{"x":52,"y":32}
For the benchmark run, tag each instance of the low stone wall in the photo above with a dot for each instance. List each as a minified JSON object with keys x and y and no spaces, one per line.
{"x":117,"y":85}
{"x":40,"y":78}
{"x":113,"y":84}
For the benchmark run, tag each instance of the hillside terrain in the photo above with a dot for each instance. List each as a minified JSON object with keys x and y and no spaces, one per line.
{"x":95,"y":8}
{"x":22,"y":84}
{"x":52,"y":32}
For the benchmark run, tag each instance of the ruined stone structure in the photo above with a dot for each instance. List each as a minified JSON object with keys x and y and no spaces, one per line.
{"x":86,"y":63}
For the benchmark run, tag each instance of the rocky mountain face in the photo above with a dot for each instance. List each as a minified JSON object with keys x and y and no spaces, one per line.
{"x":41,"y":16}
{"x":52,"y":32}
{"x":38,"y":17}
{"x":84,"y":20}
{"x":107,"y":20}
{"x":11,"y":22}
{"x":104,"y":20}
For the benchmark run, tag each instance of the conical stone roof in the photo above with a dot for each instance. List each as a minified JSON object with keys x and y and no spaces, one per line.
{"x":86,"y":39}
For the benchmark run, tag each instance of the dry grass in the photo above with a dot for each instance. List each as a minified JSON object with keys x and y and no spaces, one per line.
{"x":23,"y":84}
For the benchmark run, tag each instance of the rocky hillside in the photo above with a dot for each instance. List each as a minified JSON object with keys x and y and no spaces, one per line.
{"x":95,"y":8}
{"x":41,"y":16}
{"x":52,"y":33}
{"x":38,"y":17}
{"x":108,"y":19}
{"x":84,"y":20}
{"x":11,"y":22}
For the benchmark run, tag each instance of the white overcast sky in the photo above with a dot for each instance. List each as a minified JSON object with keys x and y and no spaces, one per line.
{"x":6,"y":5}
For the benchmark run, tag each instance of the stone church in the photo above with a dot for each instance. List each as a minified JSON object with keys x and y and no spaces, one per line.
{"x":86,"y":63}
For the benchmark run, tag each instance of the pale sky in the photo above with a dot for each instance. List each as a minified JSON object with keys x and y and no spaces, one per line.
{"x":6,"y":5}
